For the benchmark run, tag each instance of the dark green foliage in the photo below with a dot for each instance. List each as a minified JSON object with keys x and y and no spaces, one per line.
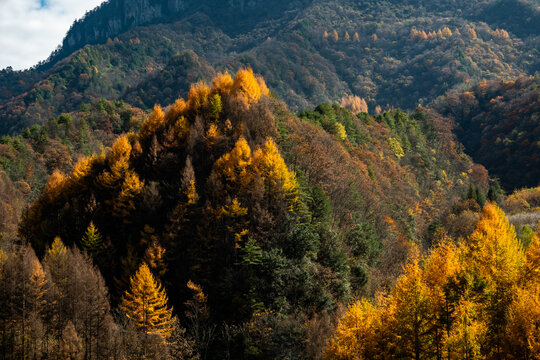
{"x":92,"y":241}
{"x":365,"y":242}
{"x":499,"y":126}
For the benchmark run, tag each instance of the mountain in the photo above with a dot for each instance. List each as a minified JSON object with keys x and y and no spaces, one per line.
{"x":160,"y":199}
{"x":499,"y":125}
{"x":389,"y":53}
{"x":267,"y":211}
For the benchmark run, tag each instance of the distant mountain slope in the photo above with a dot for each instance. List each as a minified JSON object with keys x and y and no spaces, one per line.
{"x":390,"y":53}
{"x":499,"y":124}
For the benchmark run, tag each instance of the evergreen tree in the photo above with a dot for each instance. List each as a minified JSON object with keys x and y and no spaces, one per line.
{"x":92,"y":240}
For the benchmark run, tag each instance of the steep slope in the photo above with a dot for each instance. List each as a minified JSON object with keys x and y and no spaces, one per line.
{"x":395,"y":53}
{"x":265,"y":210}
{"x":499,"y":124}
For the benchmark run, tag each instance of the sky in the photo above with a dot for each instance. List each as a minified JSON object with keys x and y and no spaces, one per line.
{"x":31,"y":29}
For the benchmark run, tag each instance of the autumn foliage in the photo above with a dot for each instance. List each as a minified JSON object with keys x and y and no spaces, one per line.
{"x":473,"y":300}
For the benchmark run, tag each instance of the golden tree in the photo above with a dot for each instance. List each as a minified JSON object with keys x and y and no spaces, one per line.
{"x":153,"y":122}
{"x":355,"y":334}
{"x":223,"y":83}
{"x":466,"y":336}
{"x":247,"y":86}
{"x":234,"y":165}
{"x":146,"y":304}
{"x":273,"y":170}
{"x":495,"y":255}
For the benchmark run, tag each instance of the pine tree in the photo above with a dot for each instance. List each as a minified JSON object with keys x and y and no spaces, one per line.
{"x":92,"y":241}
{"x":146,"y":304}
{"x":215,"y":107}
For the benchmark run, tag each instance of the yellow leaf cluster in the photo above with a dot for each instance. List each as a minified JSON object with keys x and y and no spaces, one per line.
{"x":234,"y":165}
{"x":83,"y":167}
{"x":223,"y":83}
{"x":198,"y":96}
{"x":234,"y":209}
{"x":273,"y":170}
{"x":118,"y":160}
{"x":212,"y":132}
{"x":145,"y":303}
{"x":55,"y":185}
{"x":354,"y":334}
{"x":175,"y":111}
{"x":246,"y":86}
{"x":494,"y":248}
{"x":152,"y":123}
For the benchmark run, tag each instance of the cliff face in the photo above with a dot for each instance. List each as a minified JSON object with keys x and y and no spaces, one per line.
{"x":117,"y":16}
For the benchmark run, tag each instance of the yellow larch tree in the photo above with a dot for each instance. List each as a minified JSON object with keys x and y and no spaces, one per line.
{"x":410,"y":303}
{"x":223,"y":83}
{"x":495,"y":255}
{"x":523,"y":328}
{"x":152,"y":123}
{"x":273,"y":170}
{"x":467,"y":334}
{"x":118,"y":161}
{"x":335,"y":36}
{"x":55,"y":185}
{"x":132,"y":186}
{"x":532,"y":261}
{"x":355,"y":335}
{"x":175,"y":111}
{"x":442,"y":264}
{"x":247,"y":86}
{"x":446,"y":32}
{"x":234,"y":166}
{"x":198,"y":97}
{"x":146,"y":304}
{"x":494,"y":249}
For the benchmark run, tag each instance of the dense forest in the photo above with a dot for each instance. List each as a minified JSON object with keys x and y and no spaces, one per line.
{"x":237,"y":218}
{"x":499,"y":127}
{"x":318,"y":179}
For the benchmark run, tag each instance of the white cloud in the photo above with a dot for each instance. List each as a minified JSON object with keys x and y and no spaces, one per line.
{"x":29,"y":32}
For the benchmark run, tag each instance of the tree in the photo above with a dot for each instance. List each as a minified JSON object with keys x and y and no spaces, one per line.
{"x":92,"y":241}
{"x":355,"y":335}
{"x":145,"y":303}
{"x":495,"y":255}
{"x":153,"y":122}
{"x":411,"y":304}
{"x":72,"y":347}
{"x":466,"y":337}
{"x":215,"y":107}
{"x":247,"y":87}
{"x":335,"y":36}
{"x":354,"y":103}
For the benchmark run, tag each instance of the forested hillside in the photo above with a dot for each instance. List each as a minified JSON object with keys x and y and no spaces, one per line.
{"x":272,"y":219}
{"x":389,"y":53}
{"x":306,"y":179}
{"x":499,"y":124}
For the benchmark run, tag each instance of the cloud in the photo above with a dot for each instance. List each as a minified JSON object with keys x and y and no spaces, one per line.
{"x":31,"y":29}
